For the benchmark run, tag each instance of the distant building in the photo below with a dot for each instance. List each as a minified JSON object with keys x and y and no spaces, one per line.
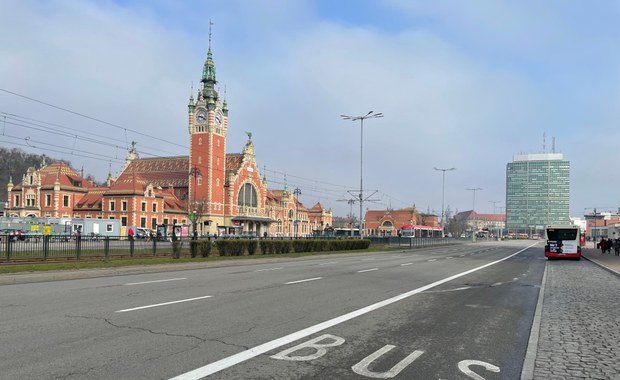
{"x":391,"y":222}
{"x":537,"y":192}
{"x":468,"y":221}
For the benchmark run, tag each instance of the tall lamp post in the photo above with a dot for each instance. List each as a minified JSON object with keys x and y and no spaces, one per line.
{"x":494,"y":216}
{"x":297,"y":193}
{"x":473,"y":234}
{"x":443,"y":193}
{"x":195,"y":172}
{"x":369,"y":115}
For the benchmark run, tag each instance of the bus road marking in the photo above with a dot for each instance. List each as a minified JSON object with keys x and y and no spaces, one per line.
{"x":255,"y":351}
{"x":402,"y":265}
{"x":154,"y":281}
{"x":306,"y":280}
{"x":163,"y":304}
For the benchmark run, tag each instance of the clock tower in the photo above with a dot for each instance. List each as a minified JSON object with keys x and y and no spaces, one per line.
{"x":208,"y":124}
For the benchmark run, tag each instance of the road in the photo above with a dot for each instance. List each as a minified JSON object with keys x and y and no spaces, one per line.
{"x":456,"y":312}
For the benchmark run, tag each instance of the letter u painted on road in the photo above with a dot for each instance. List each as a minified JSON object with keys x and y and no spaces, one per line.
{"x":361,"y":368}
{"x":320,"y":349}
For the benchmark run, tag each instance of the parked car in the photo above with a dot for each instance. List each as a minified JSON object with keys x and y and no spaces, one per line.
{"x":142,"y":233}
{"x":13,"y":233}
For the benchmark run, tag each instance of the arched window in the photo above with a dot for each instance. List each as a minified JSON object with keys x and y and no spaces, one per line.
{"x":290,"y":214}
{"x":200,"y":141}
{"x":247,"y":196}
{"x":387,"y":223}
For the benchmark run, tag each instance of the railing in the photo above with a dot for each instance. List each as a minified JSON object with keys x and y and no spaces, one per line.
{"x":414,"y":242}
{"x":24,"y":248}
{"x":16,"y":248}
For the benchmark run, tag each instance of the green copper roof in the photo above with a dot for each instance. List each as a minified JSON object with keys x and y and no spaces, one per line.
{"x":208,"y":71}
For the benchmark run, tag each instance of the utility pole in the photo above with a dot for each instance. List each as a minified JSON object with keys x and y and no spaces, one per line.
{"x":473,"y":235}
{"x":369,"y":115}
{"x":443,"y":194}
{"x":297,"y":193}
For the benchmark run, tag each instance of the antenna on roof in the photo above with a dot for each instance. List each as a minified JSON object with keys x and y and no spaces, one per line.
{"x":544,"y":142}
{"x":553,"y":145}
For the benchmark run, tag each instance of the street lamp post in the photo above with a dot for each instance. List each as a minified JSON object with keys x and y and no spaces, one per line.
{"x":443,"y":193}
{"x":195,"y":172}
{"x":473,"y":235}
{"x":297,"y":193}
{"x":369,"y":115}
{"x":494,"y":216}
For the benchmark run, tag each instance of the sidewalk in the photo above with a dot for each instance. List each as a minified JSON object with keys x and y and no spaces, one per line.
{"x":609,"y":261}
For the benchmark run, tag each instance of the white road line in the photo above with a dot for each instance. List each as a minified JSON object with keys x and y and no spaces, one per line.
{"x":329,"y":262}
{"x":370,"y":259}
{"x":367,"y":270}
{"x":267,"y":269}
{"x":306,"y":280}
{"x":449,"y":257}
{"x":242,"y":356}
{"x":163,"y":304}
{"x":431,"y":260}
{"x":402,"y":265}
{"x":154,"y":281}
{"x":461,"y":255}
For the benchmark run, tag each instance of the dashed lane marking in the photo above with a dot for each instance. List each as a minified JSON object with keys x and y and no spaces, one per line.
{"x":300,"y":281}
{"x":163,"y":304}
{"x":155,"y":281}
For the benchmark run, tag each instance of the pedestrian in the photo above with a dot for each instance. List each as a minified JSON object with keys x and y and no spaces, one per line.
{"x":617,"y":247}
{"x":602,"y":245}
{"x":130,"y":233}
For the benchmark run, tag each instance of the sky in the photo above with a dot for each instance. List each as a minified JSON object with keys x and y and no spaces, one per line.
{"x":461,"y":84}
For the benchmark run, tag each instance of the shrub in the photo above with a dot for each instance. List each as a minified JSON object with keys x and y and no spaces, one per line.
{"x":205,"y":248}
{"x":177,"y":245}
{"x":252,"y":246}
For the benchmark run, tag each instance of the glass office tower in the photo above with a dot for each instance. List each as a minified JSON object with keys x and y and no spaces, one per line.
{"x":537,"y":192}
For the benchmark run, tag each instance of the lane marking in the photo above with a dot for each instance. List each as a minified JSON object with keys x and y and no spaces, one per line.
{"x":243,"y":356}
{"x":370,"y":259}
{"x":329,"y":262}
{"x":267,"y":269}
{"x":367,"y":270}
{"x":306,"y":280}
{"x":162,"y":304}
{"x":402,"y":265}
{"x":448,"y":258}
{"x":431,"y":260}
{"x":154,"y":281}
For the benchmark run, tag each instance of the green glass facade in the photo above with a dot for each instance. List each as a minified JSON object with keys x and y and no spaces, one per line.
{"x":537,"y":191}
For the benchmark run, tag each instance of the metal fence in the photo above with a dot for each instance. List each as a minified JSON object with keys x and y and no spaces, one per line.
{"x":414,"y":242}
{"x":16,"y":248}
{"x":25,"y":248}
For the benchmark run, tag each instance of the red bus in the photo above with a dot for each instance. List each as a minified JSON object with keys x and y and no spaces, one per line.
{"x":563,"y":242}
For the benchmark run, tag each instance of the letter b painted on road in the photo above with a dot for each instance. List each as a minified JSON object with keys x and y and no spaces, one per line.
{"x":319,"y":349}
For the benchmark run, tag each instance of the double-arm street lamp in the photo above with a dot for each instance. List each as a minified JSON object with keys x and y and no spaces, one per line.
{"x":473,"y":235}
{"x":369,"y":115}
{"x":443,"y":193}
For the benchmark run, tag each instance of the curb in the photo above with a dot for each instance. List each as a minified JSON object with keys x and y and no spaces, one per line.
{"x":527,"y":371}
{"x":602,"y":265}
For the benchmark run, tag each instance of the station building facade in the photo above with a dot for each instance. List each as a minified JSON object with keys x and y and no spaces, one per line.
{"x":216,"y":192}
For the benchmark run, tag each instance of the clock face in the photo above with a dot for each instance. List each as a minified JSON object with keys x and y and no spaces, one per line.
{"x":201,"y":117}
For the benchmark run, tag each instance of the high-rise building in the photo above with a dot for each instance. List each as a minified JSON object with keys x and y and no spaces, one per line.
{"x":537,"y":191}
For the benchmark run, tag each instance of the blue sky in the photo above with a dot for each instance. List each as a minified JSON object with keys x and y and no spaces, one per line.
{"x":463,"y":84}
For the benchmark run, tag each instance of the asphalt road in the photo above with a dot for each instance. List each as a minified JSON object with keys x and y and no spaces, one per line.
{"x":457,"y":312}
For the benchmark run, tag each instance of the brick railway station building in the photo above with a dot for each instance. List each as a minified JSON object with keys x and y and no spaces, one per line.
{"x":217,"y":192}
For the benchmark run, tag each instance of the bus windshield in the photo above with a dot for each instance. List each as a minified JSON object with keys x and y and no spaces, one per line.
{"x":562,"y":234}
